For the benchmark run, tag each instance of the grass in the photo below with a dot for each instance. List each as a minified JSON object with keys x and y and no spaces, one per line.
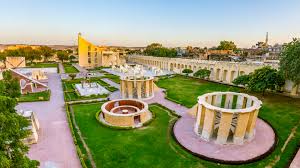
{"x":31,"y":97}
{"x":283,"y":113}
{"x":43,"y":65}
{"x":112,"y":77}
{"x":186,"y":90}
{"x":69,"y":68}
{"x":150,"y":146}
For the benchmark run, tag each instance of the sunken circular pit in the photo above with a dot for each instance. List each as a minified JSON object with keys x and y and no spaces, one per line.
{"x":125,"y":113}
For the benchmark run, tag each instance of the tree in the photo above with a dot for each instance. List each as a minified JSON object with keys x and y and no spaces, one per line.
{"x":187,"y":71}
{"x":62,"y":55}
{"x":227,"y":45}
{"x":46,"y":52}
{"x":265,"y":78}
{"x":9,"y":86}
{"x":71,"y":58}
{"x":72,"y":75}
{"x":156,"y":49}
{"x":290,"y":61}
{"x":202,"y":73}
{"x":29,"y":54}
{"x":12,"y":149}
{"x":242,"y":80}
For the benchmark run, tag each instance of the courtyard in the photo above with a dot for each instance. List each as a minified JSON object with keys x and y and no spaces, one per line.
{"x":154,"y":143}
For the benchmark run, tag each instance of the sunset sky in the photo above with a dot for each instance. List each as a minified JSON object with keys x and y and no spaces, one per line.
{"x":140,"y":22}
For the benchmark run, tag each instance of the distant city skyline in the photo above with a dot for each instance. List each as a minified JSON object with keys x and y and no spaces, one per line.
{"x":135,"y":23}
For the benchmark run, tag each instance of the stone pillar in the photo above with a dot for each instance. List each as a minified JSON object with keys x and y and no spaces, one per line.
{"x":240,"y":129}
{"x":218,"y":100}
{"x":224,"y":127}
{"x":130,"y":89}
{"x":228,"y":101}
{"x":147,"y":88}
{"x":139,"y":89}
{"x":251,"y":124}
{"x":240,"y":102}
{"x":152,"y":90}
{"x":123,"y":88}
{"x":208,"y":126}
{"x":198,"y":117}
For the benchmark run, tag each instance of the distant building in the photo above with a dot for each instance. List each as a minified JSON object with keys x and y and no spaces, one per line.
{"x":91,"y":56}
{"x":15,"y":62}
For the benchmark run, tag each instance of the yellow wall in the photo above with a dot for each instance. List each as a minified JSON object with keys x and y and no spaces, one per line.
{"x":98,"y":55}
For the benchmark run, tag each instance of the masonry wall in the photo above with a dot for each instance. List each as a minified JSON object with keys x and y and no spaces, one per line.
{"x":221,"y":71}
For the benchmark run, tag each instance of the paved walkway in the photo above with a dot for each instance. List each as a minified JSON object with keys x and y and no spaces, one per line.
{"x":262,"y":142}
{"x":61,"y":68}
{"x":55,"y":147}
{"x":79,"y":68}
{"x":296,"y":161}
{"x":111,"y":83}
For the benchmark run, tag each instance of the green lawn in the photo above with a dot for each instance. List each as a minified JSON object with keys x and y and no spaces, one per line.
{"x":69,"y":68}
{"x":283,"y":113}
{"x":43,"y":65}
{"x":112,"y":77}
{"x":31,"y":97}
{"x":185,"y":90}
{"x":150,"y":146}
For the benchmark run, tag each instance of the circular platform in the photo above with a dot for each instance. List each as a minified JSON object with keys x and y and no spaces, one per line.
{"x":262,"y":144}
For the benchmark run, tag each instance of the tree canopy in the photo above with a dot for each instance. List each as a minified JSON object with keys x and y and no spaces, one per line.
{"x":9,"y":86}
{"x":290,"y":61}
{"x":202,"y":73}
{"x":12,"y":149}
{"x":261,"y":80}
{"x":62,"y":55}
{"x":242,"y":80}
{"x":156,"y":49}
{"x":187,"y":71}
{"x":226,"y":45}
{"x":47,"y":52}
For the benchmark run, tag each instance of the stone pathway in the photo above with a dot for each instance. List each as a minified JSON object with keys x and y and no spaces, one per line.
{"x":111,"y":83}
{"x":262,"y":142}
{"x":296,"y":161}
{"x":61,"y":68}
{"x":80,"y":69}
{"x":55,"y":147}
{"x":159,"y":97}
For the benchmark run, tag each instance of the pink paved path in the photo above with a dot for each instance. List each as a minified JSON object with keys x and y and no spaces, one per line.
{"x":262,"y":142}
{"x":55,"y":147}
{"x":296,"y":161}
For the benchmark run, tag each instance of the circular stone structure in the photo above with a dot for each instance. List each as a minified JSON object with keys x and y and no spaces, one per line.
{"x":226,"y":129}
{"x":125,"y":113}
{"x":137,"y":87}
{"x":226,"y":117}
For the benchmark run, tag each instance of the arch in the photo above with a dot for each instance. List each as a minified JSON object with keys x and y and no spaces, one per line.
{"x":224,"y":79}
{"x":242,"y":73}
{"x":171,"y":66}
{"x":218,"y":74}
{"x":232,"y":76}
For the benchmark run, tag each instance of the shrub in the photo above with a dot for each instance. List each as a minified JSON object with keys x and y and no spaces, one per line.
{"x":202,"y":74}
{"x":187,"y":71}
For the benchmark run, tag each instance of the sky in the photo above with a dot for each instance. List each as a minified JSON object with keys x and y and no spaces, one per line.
{"x":140,"y":22}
